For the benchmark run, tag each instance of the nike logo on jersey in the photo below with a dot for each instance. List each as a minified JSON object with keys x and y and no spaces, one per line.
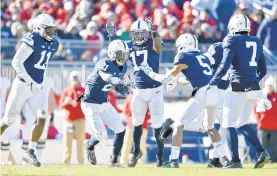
{"x":247,"y":89}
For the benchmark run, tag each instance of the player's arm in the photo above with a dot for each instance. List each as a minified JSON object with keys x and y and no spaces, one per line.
{"x":228,"y":56}
{"x":21,"y":55}
{"x":262,"y":70}
{"x":157,"y":42}
{"x":111,"y":30}
{"x":261,"y":33}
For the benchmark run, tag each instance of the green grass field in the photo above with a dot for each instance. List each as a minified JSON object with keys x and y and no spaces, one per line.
{"x":144,"y":170}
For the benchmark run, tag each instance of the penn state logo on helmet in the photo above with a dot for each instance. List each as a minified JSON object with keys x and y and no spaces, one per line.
{"x":186,"y":42}
{"x":118,"y":50}
{"x":45,"y":26}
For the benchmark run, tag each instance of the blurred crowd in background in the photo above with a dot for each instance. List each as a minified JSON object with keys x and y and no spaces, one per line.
{"x":85,"y":19}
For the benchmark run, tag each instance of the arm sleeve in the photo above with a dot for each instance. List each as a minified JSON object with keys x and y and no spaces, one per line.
{"x":262,"y":70}
{"x":261,"y":33}
{"x":228,"y":55}
{"x":21,"y":55}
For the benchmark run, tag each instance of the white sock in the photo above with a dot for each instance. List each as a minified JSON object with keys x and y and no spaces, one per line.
{"x":175,"y":152}
{"x":213,"y":153}
{"x":220,"y":149}
{"x":32,"y":145}
{"x":5,"y":155}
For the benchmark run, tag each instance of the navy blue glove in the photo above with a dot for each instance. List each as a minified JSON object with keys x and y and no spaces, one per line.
{"x":123,"y":90}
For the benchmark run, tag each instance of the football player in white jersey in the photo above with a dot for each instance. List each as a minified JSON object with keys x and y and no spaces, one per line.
{"x":30,"y":63}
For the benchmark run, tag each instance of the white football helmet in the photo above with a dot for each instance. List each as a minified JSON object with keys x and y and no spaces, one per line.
{"x":239,"y":23}
{"x":45,"y":26}
{"x":118,"y":50}
{"x":186,"y":42}
{"x":139,"y":32}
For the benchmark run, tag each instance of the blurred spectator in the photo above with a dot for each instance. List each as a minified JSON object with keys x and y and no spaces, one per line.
{"x":187,"y":20}
{"x":5,"y":30}
{"x":18,"y":29}
{"x":74,"y":118}
{"x":267,"y":121}
{"x":72,"y":31}
{"x":257,"y":18}
{"x":267,"y":31}
{"x":27,"y":10}
{"x":222,"y":11}
{"x":206,"y":35}
{"x":128,"y":139}
{"x":70,"y":56}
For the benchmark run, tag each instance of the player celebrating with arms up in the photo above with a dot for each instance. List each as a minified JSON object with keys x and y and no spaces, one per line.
{"x":107,"y":73}
{"x":30,"y":63}
{"x":147,"y":92}
{"x":243,"y":54}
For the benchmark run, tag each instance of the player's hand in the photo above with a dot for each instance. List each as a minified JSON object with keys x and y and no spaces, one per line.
{"x":35,"y":87}
{"x":145,"y":67}
{"x":171,"y":85}
{"x":127,"y":82}
{"x":111,"y":28}
{"x":114,"y":80}
{"x":150,"y":24}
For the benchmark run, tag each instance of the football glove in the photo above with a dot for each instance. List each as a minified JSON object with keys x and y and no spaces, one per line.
{"x":34,"y":87}
{"x":123,"y":90}
{"x":150,"y":25}
{"x":263,"y":104}
{"x":111,"y":28}
{"x":145,"y":67}
{"x":170,"y":85}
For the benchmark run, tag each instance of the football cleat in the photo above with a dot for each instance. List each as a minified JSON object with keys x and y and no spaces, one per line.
{"x":262,"y":159}
{"x":166,"y":128}
{"x":90,"y":154}
{"x":214,"y":163}
{"x":114,"y":162}
{"x":233,"y":165}
{"x":224,"y":161}
{"x":30,"y":157}
{"x":160,"y":160}
{"x":172,"y":164}
{"x":134,"y":159}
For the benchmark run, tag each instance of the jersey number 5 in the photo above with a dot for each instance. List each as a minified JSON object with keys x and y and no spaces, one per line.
{"x":39,"y":64}
{"x":208,"y":70}
{"x":252,"y":63}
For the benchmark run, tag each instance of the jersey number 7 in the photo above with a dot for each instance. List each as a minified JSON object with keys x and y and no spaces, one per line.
{"x":252,"y":63}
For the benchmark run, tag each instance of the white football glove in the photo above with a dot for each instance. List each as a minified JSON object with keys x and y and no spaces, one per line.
{"x":171,"y":85}
{"x":145,"y":67}
{"x":114,"y":80}
{"x":35,"y":87}
{"x":263,"y":105}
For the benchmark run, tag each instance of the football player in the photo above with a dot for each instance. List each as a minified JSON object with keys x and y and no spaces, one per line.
{"x":30,"y":63}
{"x":107,"y":73}
{"x":243,"y":54}
{"x":147,"y":92}
{"x":197,"y":69}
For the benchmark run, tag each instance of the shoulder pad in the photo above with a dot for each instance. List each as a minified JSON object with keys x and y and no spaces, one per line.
{"x":179,"y":56}
{"x":228,"y":41}
{"x":28,"y":38}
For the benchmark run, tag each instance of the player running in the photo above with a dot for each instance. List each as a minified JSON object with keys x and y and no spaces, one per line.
{"x":243,"y":54}
{"x":107,"y":73}
{"x":30,"y":63}
{"x":197,"y":68}
{"x":147,"y":92}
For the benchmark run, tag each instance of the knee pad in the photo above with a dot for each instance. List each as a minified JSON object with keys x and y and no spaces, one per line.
{"x":41,"y":114}
{"x":41,"y":145}
{"x":119,"y":127}
{"x":25,"y":144}
{"x":101,"y":136}
{"x":5,"y":146}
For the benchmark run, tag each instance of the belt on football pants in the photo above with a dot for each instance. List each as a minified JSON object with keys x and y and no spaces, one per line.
{"x":21,"y":79}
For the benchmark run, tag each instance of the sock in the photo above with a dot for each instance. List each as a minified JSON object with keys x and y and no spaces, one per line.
{"x":160,"y":143}
{"x":32,"y":145}
{"x":232,"y":141}
{"x":219,"y":147}
{"x":251,"y":136}
{"x":92,"y":143}
{"x":175,"y":152}
{"x":136,"y":138}
{"x":5,"y":156}
{"x":117,"y":143}
{"x":213,"y":154}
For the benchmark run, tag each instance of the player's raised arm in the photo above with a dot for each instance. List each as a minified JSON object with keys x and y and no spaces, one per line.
{"x":22,"y":54}
{"x":157,"y":42}
{"x":262,"y":70}
{"x":111,"y":30}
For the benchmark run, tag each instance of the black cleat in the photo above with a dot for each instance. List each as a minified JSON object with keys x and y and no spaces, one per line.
{"x":214,"y":163}
{"x":160,"y":160}
{"x":30,"y":157}
{"x":90,"y":154}
{"x":114,"y":162}
{"x":233,"y":165}
{"x":134,"y":159}
{"x":172,"y":164}
{"x":262,"y":159}
{"x":166,"y":128}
